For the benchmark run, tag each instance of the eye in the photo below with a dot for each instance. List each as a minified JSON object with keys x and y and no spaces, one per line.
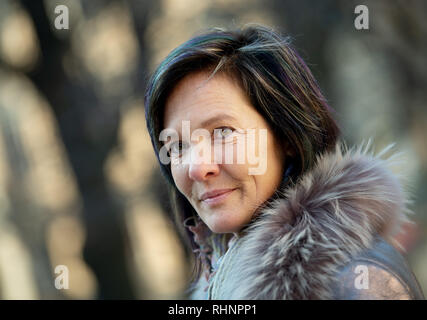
{"x":223,"y":132}
{"x":176,"y":148}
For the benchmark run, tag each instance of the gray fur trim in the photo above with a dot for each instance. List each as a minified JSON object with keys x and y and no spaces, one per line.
{"x":294,"y":248}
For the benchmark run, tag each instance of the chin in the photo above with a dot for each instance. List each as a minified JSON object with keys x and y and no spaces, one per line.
{"x":222,"y":227}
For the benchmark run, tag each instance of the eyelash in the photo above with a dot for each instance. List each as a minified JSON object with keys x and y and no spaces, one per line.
{"x":213,"y":131}
{"x":224,"y":127}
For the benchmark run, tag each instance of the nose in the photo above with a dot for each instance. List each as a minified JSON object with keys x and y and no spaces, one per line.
{"x":202,"y":170}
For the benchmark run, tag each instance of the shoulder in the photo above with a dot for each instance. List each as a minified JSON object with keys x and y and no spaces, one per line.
{"x":378,"y":273}
{"x":365,"y":280}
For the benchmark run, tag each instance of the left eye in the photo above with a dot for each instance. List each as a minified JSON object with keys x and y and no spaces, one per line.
{"x":223,"y":132}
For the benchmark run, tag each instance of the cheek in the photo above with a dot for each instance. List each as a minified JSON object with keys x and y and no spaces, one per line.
{"x":276,"y":161}
{"x":236,"y":158}
{"x":232,"y":152}
{"x":179,"y":177}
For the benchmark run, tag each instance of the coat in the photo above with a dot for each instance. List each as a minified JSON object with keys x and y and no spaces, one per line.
{"x":329,"y":236}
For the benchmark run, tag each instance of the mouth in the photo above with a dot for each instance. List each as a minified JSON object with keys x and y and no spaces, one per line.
{"x":216,"y":196}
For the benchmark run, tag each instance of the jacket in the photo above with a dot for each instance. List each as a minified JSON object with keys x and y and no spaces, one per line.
{"x":328,"y":236}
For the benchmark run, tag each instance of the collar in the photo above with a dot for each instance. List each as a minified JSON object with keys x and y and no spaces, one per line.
{"x":331,"y":214}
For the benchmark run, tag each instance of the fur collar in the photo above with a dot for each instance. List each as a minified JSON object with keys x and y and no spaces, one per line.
{"x":295,"y":246}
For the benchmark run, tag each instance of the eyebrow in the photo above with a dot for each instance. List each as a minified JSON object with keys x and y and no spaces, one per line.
{"x":217,"y":118}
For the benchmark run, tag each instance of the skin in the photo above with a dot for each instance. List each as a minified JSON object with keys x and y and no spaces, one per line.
{"x":197,"y":99}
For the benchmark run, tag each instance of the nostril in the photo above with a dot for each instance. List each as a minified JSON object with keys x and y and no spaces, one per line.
{"x":201,"y":172}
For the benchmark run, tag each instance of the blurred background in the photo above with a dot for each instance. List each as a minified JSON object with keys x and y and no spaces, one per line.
{"x":79,"y":184}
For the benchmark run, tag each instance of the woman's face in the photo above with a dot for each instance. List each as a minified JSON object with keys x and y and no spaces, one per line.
{"x":224,"y":193}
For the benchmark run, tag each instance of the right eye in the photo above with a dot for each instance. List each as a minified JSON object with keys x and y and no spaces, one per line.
{"x":176,"y":148}
{"x":223,"y":132}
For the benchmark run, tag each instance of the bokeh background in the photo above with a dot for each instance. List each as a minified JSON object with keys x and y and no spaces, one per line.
{"x":79,"y":183}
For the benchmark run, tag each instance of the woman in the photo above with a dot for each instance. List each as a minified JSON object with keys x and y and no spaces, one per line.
{"x":273,"y":206}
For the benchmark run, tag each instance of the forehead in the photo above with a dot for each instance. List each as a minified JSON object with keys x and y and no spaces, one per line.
{"x":197,"y":98}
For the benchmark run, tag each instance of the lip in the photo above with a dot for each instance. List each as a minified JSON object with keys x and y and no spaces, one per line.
{"x":216,"y":196}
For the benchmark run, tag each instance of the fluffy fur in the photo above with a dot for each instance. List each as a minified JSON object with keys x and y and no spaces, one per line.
{"x":294,"y":248}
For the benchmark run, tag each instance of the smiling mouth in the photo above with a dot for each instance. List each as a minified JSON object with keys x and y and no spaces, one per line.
{"x":217,"y":197}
